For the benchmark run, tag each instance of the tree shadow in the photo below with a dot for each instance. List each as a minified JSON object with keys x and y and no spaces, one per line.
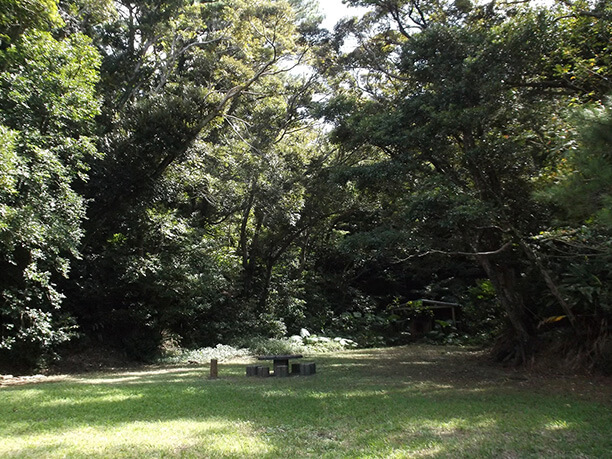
{"x":377,"y":403}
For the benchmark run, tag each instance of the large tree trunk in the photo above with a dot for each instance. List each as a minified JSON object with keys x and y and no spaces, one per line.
{"x":503,"y":278}
{"x":265,"y":288}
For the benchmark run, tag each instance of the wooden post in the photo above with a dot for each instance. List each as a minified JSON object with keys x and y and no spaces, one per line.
{"x":214,"y":370}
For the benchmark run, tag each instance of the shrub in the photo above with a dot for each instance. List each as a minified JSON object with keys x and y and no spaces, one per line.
{"x":303,"y":343}
{"x":445,"y":333}
{"x":220,"y":352}
{"x":275,"y":346}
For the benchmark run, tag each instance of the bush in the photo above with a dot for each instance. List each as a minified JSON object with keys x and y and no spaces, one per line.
{"x":275,"y":346}
{"x":445,"y":333}
{"x":220,"y":352}
{"x":370,"y":329}
{"x":305,"y":343}
{"x":483,"y":318}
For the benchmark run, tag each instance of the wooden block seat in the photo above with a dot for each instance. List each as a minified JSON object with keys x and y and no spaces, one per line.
{"x":308,"y":368}
{"x":251,"y":370}
{"x":263,"y":372}
{"x":280,"y":360}
{"x":257,"y":370}
{"x":282,"y":368}
{"x":281,"y":371}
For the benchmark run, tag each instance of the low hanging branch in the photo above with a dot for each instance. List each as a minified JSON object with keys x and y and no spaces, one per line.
{"x":554,"y":290}
{"x":531,"y":255}
{"x":503,"y":248}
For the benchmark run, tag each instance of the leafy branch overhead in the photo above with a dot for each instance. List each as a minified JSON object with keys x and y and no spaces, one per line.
{"x":205,"y":172}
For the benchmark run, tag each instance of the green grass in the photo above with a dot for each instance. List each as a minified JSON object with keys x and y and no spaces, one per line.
{"x":403,"y":402}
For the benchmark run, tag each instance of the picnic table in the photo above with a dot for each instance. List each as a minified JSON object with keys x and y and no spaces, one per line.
{"x":281,"y":366}
{"x":280,"y":360}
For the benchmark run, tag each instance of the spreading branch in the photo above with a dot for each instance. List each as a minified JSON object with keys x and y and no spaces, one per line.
{"x":502,"y":249}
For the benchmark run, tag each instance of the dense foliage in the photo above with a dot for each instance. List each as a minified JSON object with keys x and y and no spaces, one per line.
{"x":48,"y":104}
{"x":204,"y":172}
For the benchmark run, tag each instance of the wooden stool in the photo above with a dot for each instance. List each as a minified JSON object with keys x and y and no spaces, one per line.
{"x":263,"y":372}
{"x":307,"y":369}
{"x":281,"y":371}
{"x":251,"y":370}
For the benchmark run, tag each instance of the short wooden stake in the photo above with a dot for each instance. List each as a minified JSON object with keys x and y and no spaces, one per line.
{"x":214,"y":369}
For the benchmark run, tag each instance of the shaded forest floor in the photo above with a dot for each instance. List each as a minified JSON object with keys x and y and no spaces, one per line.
{"x":471,"y":368}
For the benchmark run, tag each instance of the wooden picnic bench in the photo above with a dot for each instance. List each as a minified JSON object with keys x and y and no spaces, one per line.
{"x":280,"y":361}
{"x":281,"y":366}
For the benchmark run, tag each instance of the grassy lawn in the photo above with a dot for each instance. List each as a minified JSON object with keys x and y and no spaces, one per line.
{"x":404,"y":402}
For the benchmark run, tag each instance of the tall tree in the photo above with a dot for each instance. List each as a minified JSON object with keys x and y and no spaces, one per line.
{"x":47,"y":107}
{"x":176,"y":75}
{"x":580,"y":243}
{"x":460,"y":97}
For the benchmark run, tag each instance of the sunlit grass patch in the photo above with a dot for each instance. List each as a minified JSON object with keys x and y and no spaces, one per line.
{"x":213,"y":437}
{"x":375,"y":403}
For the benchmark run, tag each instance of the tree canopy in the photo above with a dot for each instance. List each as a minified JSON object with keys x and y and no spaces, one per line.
{"x":208,"y":171}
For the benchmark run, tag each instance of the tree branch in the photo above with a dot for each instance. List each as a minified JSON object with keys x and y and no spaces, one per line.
{"x":533,"y":257}
{"x":502,"y":249}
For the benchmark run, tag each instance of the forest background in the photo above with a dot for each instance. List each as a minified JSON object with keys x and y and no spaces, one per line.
{"x":204,"y":172}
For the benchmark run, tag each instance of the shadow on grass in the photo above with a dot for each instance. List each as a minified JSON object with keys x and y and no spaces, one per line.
{"x":377,"y":403}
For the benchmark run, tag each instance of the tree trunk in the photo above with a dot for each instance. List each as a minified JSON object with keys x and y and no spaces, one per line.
{"x":243,"y":248}
{"x":265,"y":288}
{"x":550,"y":283}
{"x":251,"y":256}
{"x":503,"y":278}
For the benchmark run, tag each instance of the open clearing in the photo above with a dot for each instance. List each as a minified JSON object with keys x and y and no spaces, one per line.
{"x":416,"y":401}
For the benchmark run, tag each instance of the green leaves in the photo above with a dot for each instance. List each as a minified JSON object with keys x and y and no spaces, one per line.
{"x":583,"y":178}
{"x":47,"y":107}
{"x":19,"y":16}
{"x":55,"y":90}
